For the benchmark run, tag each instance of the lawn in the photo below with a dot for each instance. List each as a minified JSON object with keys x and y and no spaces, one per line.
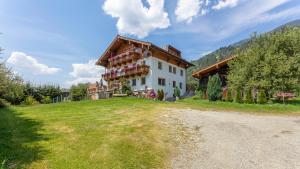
{"x":115,"y":133}
{"x":290,"y":108}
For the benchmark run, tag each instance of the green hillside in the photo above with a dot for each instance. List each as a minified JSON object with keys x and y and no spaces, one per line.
{"x":224,"y":52}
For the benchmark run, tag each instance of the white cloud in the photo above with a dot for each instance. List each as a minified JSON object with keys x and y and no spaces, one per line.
{"x":246,"y":15}
{"x":136,"y":19}
{"x":186,"y":10}
{"x":85,"y":72}
{"x":25,"y":63}
{"x":225,"y":4}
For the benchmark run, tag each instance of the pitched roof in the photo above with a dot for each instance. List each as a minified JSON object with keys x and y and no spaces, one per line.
{"x":213,"y":67}
{"x":114,"y":43}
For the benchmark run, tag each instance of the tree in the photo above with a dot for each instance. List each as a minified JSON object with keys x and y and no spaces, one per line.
{"x":214,"y":88}
{"x":261,"y":98}
{"x":229,"y":95}
{"x":78,"y":92}
{"x":238,"y":97}
{"x":11,"y":86}
{"x":271,"y":63}
{"x":248,"y":96}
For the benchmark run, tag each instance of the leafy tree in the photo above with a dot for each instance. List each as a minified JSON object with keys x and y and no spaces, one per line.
{"x":78,"y":92}
{"x":270,"y":63}
{"x":214,"y":88}
{"x":11,"y":86}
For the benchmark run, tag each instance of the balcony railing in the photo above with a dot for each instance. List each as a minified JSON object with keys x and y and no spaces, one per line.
{"x":136,"y":70}
{"x":129,"y":56}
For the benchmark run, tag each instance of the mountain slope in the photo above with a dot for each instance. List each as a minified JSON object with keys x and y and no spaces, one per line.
{"x":224,"y":52}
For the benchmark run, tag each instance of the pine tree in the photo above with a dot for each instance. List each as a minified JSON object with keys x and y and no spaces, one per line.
{"x":238,"y":97}
{"x":261,"y":98}
{"x":249,"y":96}
{"x":214,"y":88}
{"x":229,"y":96}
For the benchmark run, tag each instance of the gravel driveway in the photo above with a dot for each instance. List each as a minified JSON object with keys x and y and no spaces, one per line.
{"x":220,"y":140}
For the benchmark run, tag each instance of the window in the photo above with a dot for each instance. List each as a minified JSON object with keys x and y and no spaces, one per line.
{"x":143,"y":81}
{"x":161,"y":81}
{"x":133,"y":82}
{"x":159,"y":65}
{"x":181,"y":72}
{"x":180,"y":85}
{"x":174,"y":70}
{"x":174,"y":84}
{"x":170,"y":68}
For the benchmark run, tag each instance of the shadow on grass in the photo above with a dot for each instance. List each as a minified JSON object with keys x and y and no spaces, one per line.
{"x":18,"y":139}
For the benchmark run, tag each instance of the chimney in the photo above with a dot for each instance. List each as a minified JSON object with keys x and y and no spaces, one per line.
{"x":172,"y":50}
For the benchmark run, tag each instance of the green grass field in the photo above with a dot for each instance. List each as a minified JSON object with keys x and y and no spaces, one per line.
{"x":115,"y":133}
{"x":290,"y":108}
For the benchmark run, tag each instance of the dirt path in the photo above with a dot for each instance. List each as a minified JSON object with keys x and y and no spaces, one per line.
{"x":219,"y":140}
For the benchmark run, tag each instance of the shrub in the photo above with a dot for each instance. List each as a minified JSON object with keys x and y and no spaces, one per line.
{"x":229,"y":96}
{"x":3,"y":103}
{"x":46,"y":100}
{"x":78,"y":92}
{"x":176,"y":92}
{"x":30,"y":101}
{"x":249,"y":96}
{"x":261,"y":97}
{"x":200,"y":94}
{"x":214,"y":88}
{"x":238,"y":97}
{"x":160,"y":94}
{"x":126,"y":90}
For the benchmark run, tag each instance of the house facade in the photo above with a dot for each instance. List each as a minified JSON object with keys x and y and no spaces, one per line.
{"x":143,"y":66}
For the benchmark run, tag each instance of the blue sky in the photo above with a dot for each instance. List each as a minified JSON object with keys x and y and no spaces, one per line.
{"x":57,"y":42}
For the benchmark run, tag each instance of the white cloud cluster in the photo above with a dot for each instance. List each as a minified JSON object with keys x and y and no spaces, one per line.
{"x":24,"y":63}
{"x":186,"y":10}
{"x":136,"y":19}
{"x":225,"y":4}
{"x":85,"y":72}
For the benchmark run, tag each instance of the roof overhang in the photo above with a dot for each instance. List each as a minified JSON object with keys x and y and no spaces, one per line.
{"x":202,"y":72}
{"x":102,"y":61}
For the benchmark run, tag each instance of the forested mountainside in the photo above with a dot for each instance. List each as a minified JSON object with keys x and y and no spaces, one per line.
{"x":227,"y":51}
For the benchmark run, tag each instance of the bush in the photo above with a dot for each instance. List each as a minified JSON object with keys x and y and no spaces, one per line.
{"x":78,"y":92}
{"x":229,"y":96}
{"x":238,"y":97}
{"x":200,"y":94}
{"x":249,"y":96}
{"x":262,"y":98}
{"x":3,"y":103}
{"x":176,"y":92}
{"x":214,"y":88}
{"x":46,"y":100}
{"x":160,"y":94}
{"x":126,"y":90}
{"x":30,"y":101}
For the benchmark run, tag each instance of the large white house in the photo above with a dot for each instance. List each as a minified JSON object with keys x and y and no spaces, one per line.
{"x":143,"y":66}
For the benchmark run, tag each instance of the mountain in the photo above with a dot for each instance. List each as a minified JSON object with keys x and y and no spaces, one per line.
{"x":228,"y":51}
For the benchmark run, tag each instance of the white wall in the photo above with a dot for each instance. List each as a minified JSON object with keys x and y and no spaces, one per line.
{"x":155,"y":73}
{"x":168,"y":76}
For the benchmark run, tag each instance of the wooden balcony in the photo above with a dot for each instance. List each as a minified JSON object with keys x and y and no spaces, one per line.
{"x":137,"y":70}
{"x":130,"y":56}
